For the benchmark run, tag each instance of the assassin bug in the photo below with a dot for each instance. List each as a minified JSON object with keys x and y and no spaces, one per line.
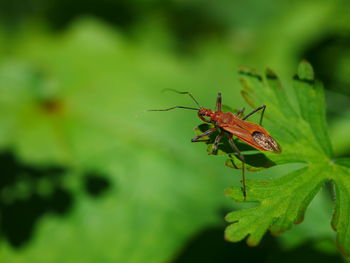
{"x":230,"y":123}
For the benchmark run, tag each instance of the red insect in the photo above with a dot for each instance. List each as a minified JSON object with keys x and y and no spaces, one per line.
{"x":230,"y":123}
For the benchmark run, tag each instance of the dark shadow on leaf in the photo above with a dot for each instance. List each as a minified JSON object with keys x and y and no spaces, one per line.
{"x":308,"y":81}
{"x":327,"y":53}
{"x":29,"y":192}
{"x":249,"y":72}
{"x":343,"y":162}
{"x":209,"y":246}
{"x":96,"y":184}
{"x":257,"y":160}
{"x":21,"y":202}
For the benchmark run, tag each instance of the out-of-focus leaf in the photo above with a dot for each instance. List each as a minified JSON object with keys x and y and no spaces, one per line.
{"x":79,"y":100}
{"x":339,"y":134}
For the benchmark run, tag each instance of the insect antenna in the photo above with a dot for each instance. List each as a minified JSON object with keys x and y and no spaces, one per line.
{"x":184,"y":92}
{"x":176,"y":107}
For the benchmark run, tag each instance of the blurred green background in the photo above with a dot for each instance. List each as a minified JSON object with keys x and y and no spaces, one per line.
{"x":88,"y":175}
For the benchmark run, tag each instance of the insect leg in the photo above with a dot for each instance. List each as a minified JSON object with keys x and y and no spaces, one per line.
{"x":263,"y":107}
{"x":216,"y":142}
{"x":241,"y":157}
{"x":206,"y":133}
{"x":203,"y":119}
{"x":218,"y":103}
{"x":176,"y":107}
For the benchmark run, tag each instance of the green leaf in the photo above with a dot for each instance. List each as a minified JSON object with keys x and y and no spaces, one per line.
{"x":312,"y":104}
{"x":302,"y":134}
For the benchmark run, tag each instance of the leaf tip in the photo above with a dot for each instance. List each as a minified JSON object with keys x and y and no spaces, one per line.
{"x":341,"y":249}
{"x":251,"y":242}
{"x":228,"y":191}
{"x":243,"y":70}
{"x":333,"y":226}
{"x":231,"y":164}
{"x":248,"y":98}
{"x":270,"y":74}
{"x":299,"y":220}
{"x":300,"y":217}
{"x":305,"y":72}
{"x":235,"y":193}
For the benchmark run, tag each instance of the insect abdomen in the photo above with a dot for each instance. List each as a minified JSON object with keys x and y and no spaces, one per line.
{"x":266,"y":142}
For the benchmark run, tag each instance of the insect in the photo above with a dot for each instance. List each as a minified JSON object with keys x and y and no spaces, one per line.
{"x":234,"y":125}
